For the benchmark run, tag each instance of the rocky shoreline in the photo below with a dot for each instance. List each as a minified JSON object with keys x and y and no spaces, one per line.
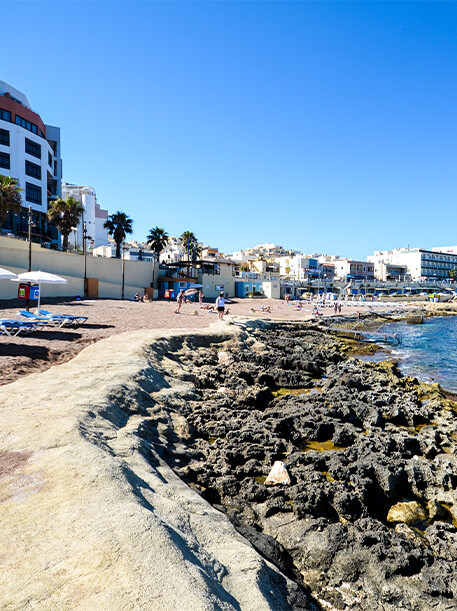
{"x":369,"y":518}
{"x":108,"y":473}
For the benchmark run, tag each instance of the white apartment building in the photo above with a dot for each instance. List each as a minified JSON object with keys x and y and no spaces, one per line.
{"x":173,"y":251}
{"x":353,"y":270}
{"x":298,"y":267}
{"x":419,"y":264}
{"x":94,"y":216}
{"x":264,"y":251}
{"x":29,"y":152}
{"x":133,"y":251}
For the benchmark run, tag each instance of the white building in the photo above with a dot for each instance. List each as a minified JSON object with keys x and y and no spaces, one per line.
{"x":29,"y":152}
{"x":133,"y":251}
{"x":353,"y":270}
{"x":419,"y":264}
{"x":173,"y":251}
{"x":94,"y":216}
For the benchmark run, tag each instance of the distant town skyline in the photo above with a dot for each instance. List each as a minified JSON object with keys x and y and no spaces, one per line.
{"x":321,"y":126}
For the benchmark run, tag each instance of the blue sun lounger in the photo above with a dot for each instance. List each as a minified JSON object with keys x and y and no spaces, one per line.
{"x":43,"y":319}
{"x":72,"y":320}
{"x":16,"y":327}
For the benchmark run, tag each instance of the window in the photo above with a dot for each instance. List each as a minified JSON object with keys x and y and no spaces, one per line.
{"x":5,"y":115}
{"x":32,"y":193}
{"x":24,"y":123}
{"x":32,"y":148}
{"x":32,"y":169}
{"x":4,"y":161}
{"x":4,"y":137}
{"x":50,"y":160}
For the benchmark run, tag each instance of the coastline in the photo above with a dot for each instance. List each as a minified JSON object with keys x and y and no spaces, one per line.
{"x":21,"y":356}
{"x":122,"y":448}
{"x":93,"y":517}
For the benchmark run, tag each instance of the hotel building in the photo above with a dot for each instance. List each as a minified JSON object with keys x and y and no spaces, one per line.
{"x":29,"y":152}
{"x":417,"y":263}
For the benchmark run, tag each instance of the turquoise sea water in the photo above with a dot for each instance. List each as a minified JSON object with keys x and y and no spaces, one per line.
{"x":429,"y":351}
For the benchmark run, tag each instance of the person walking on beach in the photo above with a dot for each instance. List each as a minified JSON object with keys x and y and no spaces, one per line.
{"x":220,"y":306}
{"x":179,"y":299}
{"x":200,"y":298}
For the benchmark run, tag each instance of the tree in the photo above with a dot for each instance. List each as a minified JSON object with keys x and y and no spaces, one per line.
{"x":118,"y":225}
{"x":453,"y":274}
{"x":65,"y":214}
{"x":189,"y":241}
{"x":157,"y":239}
{"x":10,"y":197}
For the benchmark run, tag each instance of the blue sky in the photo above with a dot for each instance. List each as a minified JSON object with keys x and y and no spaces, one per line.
{"x":323,"y":126}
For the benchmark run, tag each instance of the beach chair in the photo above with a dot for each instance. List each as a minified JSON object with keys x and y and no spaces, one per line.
{"x":16,"y":327}
{"x":43,"y":320}
{"x":72,"y":319}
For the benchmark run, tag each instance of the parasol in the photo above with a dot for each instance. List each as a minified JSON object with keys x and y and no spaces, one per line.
{"x":39,"y":278}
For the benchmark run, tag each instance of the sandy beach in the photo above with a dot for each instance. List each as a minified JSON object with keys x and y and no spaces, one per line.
{"x":40,"y":350}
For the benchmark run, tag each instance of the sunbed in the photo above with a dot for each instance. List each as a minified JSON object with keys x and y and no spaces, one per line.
{"x":43,"y":319}
{"x":72,"y":319}
{"x":14,"y":327}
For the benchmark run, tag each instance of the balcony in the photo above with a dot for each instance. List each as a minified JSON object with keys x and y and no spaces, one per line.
{"x":177,"y":272}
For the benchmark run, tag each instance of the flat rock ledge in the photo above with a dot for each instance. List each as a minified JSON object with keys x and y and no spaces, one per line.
{"x":93,"y":518}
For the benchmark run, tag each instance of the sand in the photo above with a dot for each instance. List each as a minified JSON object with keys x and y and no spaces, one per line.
{"x":40,"y":350}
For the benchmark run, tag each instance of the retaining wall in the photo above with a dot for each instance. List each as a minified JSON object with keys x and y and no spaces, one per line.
{"x":14,"y":256}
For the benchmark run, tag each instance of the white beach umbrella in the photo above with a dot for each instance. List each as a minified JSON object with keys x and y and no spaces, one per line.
{"x":39,"y":278}
{"x":5,"y":274}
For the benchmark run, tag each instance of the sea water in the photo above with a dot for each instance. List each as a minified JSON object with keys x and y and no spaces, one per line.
{"x":429,"y":351}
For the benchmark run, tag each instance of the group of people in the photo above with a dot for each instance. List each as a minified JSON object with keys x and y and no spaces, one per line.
{"x":137,"y":297}
{"x":219,"y":304}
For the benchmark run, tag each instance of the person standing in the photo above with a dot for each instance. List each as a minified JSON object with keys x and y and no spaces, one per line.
{"x":200,"y":298}
{"x":220,"y":306}
{"x":179,"y":299}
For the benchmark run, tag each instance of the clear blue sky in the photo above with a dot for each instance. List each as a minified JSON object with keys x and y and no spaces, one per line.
{"x":322,"y":126}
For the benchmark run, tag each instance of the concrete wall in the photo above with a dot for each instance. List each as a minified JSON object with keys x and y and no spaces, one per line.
{"x":14,"y":256}
{"x":225,"y":279}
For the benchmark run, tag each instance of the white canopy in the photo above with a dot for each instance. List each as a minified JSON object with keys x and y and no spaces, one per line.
{"x":5,"y":274}
{"x":39,"y":278}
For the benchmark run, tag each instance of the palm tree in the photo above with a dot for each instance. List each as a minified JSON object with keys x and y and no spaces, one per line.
{"x":10,"y":197}
{"x":157,"y":240}
{"x":189,"y":241}
{"x":65,"y":214}
{"x":118,"y":225}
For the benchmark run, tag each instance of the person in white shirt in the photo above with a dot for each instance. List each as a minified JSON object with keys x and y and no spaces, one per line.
{"x":220,"y":306}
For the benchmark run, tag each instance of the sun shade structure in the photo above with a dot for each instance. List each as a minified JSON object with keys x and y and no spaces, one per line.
{"x":5,"y":274}
{"x":39,"y":278}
